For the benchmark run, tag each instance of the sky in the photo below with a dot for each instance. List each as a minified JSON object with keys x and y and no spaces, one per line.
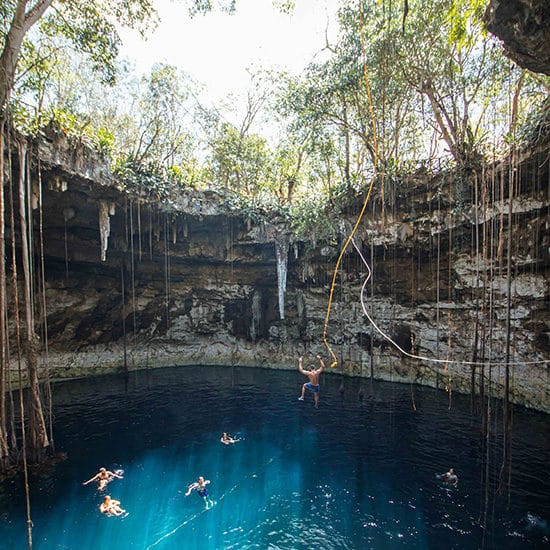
{"x":216,"y":49}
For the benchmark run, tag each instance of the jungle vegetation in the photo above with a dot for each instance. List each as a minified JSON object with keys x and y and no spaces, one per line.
{"x":441,"y":95}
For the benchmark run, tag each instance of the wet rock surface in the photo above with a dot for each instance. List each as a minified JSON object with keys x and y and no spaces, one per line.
{"x":190,"y":281}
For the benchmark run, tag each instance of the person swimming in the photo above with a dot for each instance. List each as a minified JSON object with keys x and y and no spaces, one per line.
{"x":449,"y":477}
{"x":111,"y":507}
{"x":103,"y":477}
{"x":202,"y":490}
{"x":228,"y":439}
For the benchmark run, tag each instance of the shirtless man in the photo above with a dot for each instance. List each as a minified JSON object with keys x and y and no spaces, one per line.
{"x":313,"y":375}
{"x":202,"y":491}
{"x":449,"y":477}
{"x":110,"y":506}
{"x":228,"y":439}
{"x":103,"y":477}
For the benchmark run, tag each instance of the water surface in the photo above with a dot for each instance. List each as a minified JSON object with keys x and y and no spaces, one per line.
{"x":350,"y":474}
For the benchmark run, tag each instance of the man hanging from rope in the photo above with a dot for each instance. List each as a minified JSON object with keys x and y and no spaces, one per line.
{"x":313,"y":375}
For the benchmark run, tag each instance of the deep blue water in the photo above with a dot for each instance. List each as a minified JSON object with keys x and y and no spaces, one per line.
{"x":350,"y":474}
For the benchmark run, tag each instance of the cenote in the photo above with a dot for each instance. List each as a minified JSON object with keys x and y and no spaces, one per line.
{"x":354,"y":473}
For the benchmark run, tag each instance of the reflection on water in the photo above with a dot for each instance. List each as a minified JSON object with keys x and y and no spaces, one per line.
{"x":351,"y":474}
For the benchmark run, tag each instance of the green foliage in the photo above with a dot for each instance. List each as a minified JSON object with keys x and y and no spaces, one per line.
{"x":90,"y":27}
{"x":240,"y":162}
{"x":76,"y":128}
{"x":313,"y":219}
{"x":103,"y":140}
{"x":440,"y":88}
{"x":155,"y":181}
{"x":148,"y":180}
{"x":257,"y":208}
{"x":536,"y":128}
{"x":466,"y":23}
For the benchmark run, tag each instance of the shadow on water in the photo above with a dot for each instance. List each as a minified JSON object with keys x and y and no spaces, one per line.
{"x":355,"y":473}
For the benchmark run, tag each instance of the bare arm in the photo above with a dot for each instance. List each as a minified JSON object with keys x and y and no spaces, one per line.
{"x":322,"y":367}
{"x":112,"y":474}
{"x":191,"y":488}
{"x":91,"y":479}
{"x":300,"y":369}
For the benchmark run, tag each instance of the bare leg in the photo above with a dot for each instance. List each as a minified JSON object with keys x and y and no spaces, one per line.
{"x":301,"y":398}
{"x":316,"y":397}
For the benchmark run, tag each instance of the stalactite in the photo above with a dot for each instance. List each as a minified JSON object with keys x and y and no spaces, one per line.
{"x":281,"y":254}
{"x":68,"y":214}
{"x":106,"y":209}
{"x":256,"y":308}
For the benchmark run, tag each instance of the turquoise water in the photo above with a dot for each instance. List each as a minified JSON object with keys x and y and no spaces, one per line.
{"x":350,"y":474}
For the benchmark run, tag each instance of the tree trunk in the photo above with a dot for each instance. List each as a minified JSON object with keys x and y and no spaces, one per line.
{"x":21,"y":23}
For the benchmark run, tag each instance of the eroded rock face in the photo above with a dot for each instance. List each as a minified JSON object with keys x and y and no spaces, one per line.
{"x":524,"y":28}
{"x":193,"y":282}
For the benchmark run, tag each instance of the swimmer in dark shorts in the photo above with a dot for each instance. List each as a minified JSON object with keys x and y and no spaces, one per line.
{"x":313,"y":375}
{"x":202,"y":491}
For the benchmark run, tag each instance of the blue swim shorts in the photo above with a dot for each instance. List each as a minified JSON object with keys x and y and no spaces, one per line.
{"x":311,"y":387}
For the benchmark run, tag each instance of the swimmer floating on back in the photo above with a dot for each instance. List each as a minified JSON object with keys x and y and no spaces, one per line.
{"x":103,"y":477}
{"x":228,"y":439}
{"x":202,"y":491}
{"x":111,"y":507}
{"x":313,"y":375}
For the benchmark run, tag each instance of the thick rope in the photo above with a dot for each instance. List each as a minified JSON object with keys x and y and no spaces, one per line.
{"x":334,"y":362}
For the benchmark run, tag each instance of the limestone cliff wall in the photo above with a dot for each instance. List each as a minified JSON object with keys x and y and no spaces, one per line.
{"x":132,"y":283}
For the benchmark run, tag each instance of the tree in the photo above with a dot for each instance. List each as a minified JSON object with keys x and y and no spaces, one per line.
{"x":87,"y":24}
{"x":240,"y":162}
{"x":24,"y":16}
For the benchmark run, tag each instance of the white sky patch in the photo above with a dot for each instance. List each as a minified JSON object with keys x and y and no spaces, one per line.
{"x":216,"y":49}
